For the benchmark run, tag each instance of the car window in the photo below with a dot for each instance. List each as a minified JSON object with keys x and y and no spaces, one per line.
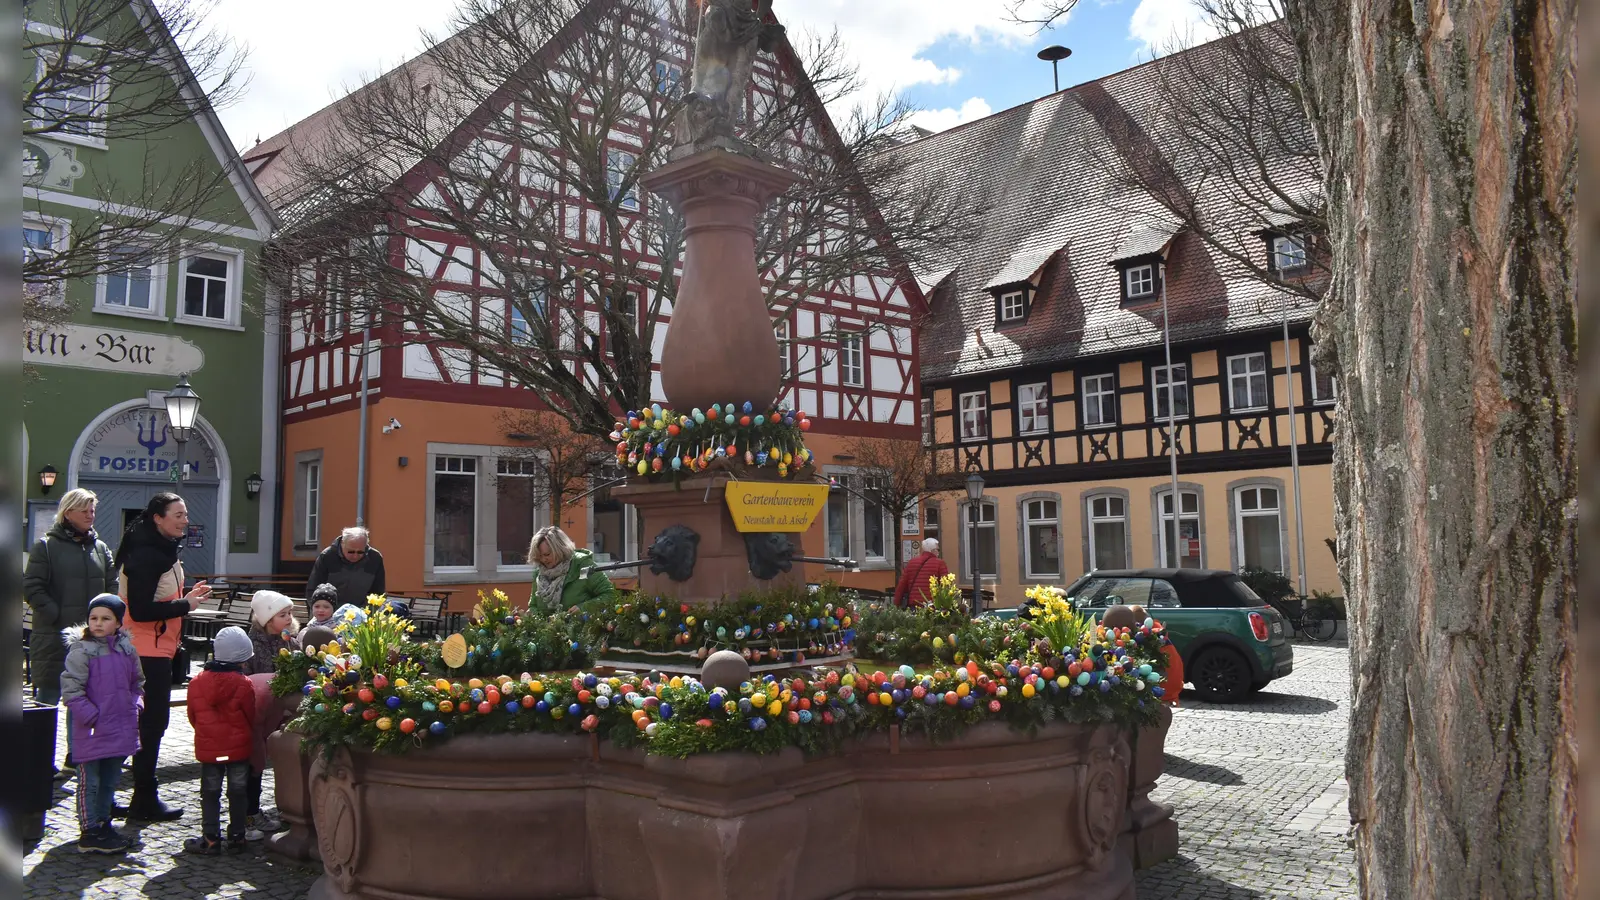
{"x":1098,"y":593}
{"x":1208,"y":593}
{"x":1243,"y":591}
{"x":1162,"y":595}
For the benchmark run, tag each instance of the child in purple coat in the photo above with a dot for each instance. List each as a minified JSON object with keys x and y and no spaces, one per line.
{"x":102,"y":685}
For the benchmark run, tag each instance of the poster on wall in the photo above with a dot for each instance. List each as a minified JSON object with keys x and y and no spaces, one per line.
{"x":196,"y":538}
{"x":41,"y":516}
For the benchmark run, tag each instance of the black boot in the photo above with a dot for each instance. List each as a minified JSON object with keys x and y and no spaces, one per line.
{"x":147,"y":807}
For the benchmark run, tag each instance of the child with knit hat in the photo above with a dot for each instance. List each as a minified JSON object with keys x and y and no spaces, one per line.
{"x":102,"y":685}
{"x":322,"y":603}
{"x":272,"y":628}
{"x":222,"y":709}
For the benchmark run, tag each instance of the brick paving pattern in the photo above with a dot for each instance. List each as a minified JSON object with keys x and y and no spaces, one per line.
{"x":1259,"y":790}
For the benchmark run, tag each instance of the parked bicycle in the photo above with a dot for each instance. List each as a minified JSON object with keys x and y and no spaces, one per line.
{"x":1317,"y":619}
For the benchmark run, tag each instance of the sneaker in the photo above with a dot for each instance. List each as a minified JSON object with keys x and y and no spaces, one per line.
{"x":154,"y":811}
{"x":203,"y":846}
{"x":253,"y":834}
{"x":267,"y":823}
{"x":106,"y":828}
{"x":237,"y":845}
{"x":98,"y":841}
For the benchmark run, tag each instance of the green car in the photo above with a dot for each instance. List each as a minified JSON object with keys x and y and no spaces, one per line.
{"x":1231,"y":641}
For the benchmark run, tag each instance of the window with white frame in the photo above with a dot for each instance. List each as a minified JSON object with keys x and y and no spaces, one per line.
{"x":520,"y":332}
{"x":455,"y":511}
{"x":208,"y":287}
{"x":1139,"y":281}
{"x":311,"y":504}
{"x":519,"y":508}
{"x":780,"y":330}
{"x":669,"y":77}
{"x":974,"y":416}
{"x":852,"y":372}
{"x":930,"y":521}
{"x":42,"y":240}
{"x":1013,"y":306}
{"x":1033,"y":408}
{"x":838,"y":516}
{"x":981,"y":519}
{"x":1324,"y":390}
{"x":877,"y":529}
{"x":1041,"y":532}
{"x":1108,"y":531}
{"x":1288,"y":253}
{"x":1175,"y":377}
{"x":619,"y":164}
{"x":925,"y":407}
{"x":335,"y":312}
{"x":131,"y":283}
{"x":1258,"y":527}
{"x":1187,"y":552}
{"x":1099,"y":401}
{"x":74,"y":98}
{"x":1247,"y":382}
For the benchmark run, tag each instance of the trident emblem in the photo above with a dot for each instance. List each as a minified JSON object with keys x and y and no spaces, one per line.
{"x":153,"y":443}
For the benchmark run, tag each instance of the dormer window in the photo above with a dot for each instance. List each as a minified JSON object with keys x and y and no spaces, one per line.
{"x":1289,"y":254}
{"x":1013,"y":306}
{"x":1139,"y":282}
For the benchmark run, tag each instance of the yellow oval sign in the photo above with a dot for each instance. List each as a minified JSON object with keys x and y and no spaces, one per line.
{"x":454,"y":651}
{"x":774,"y":506}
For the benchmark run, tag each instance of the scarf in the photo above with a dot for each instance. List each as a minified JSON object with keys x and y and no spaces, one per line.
{"x":550,"y":582}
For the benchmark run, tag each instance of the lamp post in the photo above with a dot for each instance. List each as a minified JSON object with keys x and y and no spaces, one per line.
{"x":47,"y":479}
{"x":183,"y":408}
{"x":974,"y":496}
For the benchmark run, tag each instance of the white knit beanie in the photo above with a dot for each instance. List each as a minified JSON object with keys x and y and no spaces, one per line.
{"x":232,"y":645}
{"x":266,"y":604}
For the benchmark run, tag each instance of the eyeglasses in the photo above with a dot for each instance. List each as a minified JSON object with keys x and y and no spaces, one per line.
{"x":355,"y":553}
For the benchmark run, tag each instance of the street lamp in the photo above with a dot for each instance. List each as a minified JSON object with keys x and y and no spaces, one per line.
{"x":47,"y":479}
{"x":252,"y":486}
{"x":974,"y":495}
{"x":183,"y":408}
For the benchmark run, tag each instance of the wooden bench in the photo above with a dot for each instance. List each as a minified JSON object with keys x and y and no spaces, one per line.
{"x":425,"y":612}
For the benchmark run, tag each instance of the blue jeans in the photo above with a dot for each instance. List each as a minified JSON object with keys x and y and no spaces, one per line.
{"x":97,"y":787}
{"x":214,"y":778}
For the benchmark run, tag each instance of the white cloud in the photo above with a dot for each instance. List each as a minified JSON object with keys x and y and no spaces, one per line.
{"x":1162,"y":24}
{"x":296,"y":69}
{"x":949,"y":117}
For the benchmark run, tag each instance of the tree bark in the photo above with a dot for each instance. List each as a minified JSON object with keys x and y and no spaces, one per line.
{"x":1448,"y":134}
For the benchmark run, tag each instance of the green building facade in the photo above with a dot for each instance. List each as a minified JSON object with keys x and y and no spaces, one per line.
{"x":96,"y":376}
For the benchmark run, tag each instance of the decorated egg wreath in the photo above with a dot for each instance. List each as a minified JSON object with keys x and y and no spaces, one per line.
{"x":654,"y":441}
{"x":1113,"y":675}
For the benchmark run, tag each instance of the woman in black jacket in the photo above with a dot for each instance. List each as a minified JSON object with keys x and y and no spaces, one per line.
{"x":67,"y":568}
{"x":151,"y":582}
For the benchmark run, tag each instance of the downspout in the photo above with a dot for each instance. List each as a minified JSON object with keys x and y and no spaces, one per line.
{"x":361,"y":445}
{"x":1172,"y":434}
{"x":1294,"y":459}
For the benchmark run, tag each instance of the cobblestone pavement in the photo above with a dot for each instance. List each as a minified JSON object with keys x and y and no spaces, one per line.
{"x":1260,"y":792}
{"x":156,"y":867}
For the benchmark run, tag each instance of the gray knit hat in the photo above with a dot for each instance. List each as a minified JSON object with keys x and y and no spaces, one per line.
{"x":232,"y":645}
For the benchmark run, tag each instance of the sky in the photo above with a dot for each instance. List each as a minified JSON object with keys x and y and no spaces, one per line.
{"x":956,"y":60}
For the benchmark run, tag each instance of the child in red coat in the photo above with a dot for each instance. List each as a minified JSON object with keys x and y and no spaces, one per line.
{"x":222,"y":709}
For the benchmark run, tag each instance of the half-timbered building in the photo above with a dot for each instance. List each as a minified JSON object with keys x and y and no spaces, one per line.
{"x":1046,"y":365}
{"x":446,"y":495}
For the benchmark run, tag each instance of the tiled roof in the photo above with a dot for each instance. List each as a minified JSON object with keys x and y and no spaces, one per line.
{"x":1052,"y":200}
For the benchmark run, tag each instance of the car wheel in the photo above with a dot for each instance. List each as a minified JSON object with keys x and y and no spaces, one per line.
{"x":1220,"y":675}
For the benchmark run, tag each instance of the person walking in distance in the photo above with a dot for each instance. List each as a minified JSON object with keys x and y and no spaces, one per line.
{"x":352,"y":565}
{"x":913,"y":587}
{"x":150,"y":582}
{"x":222,"y":709}
{"x":103,"y":685}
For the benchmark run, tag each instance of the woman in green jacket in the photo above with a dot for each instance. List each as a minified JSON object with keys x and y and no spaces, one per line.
{"x":67,"y":568}
{"x":563,"y":575}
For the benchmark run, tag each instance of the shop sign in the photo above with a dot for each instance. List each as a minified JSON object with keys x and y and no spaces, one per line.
{"x":112,"y":350}
{"x":138,"y":444}
{"x":46,"y":164}
{"x":774,"y":506}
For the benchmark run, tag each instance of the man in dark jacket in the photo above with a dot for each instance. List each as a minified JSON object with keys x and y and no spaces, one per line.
{"x":352,"y":565}
{"x":913,"y":587}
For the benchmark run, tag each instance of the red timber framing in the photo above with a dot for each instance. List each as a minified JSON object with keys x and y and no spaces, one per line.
{"x":866,"y":386}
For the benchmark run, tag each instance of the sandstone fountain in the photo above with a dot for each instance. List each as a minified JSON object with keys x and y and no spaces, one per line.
{"x":993,"y":813}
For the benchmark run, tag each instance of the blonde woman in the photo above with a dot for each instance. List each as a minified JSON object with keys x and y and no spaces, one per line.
{"x":66,"y":569}
{"x":563,"y":575}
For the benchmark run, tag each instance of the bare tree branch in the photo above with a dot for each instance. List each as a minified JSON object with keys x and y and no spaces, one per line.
{"x":521,"y":138}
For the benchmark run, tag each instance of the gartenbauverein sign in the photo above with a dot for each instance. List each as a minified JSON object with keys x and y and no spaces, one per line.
{"x":774,"y":506}
{"x":111,"y":350}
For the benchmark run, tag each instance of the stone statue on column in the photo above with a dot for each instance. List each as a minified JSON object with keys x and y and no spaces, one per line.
{"x":731,"y":33}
